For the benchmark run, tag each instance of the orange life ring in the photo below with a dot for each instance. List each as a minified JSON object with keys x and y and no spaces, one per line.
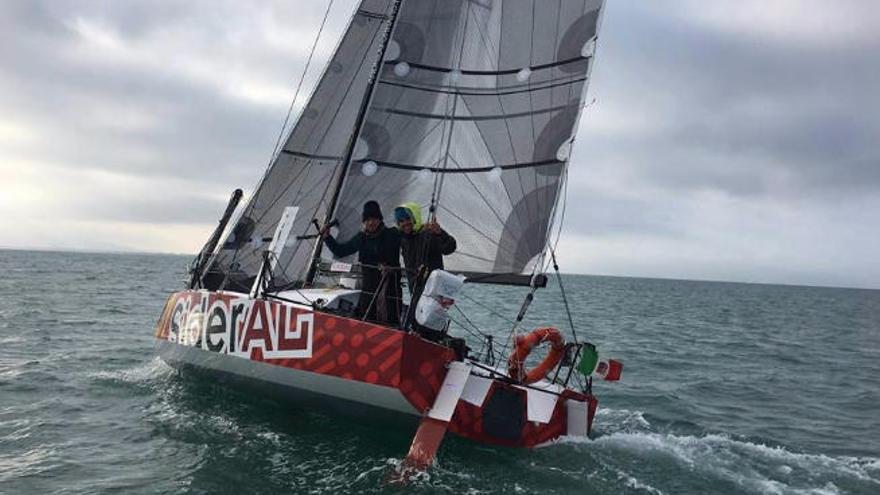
{"x":524,"y":344}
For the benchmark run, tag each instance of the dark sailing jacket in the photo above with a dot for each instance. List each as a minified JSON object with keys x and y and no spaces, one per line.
{"x":422,"y":248}
{"x":381,"y":248}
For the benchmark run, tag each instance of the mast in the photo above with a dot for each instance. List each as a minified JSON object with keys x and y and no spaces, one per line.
{"x":349,"y":152}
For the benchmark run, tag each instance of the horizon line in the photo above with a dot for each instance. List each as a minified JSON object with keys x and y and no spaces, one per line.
{"x":123,"y":251}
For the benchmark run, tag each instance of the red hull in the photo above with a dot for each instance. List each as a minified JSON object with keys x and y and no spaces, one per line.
{"x":297,"y":338}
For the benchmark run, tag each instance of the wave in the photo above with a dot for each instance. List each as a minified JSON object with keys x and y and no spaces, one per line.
{"x":626,"y":446}
{"x":752,"y":466}
{"x":149,"y":371}
{"x":620,"y":420}
{"x":631,"y":481}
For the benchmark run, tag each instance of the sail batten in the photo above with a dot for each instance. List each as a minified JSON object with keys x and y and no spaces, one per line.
{"x":475,"y":91}
{"x":497,"y":72}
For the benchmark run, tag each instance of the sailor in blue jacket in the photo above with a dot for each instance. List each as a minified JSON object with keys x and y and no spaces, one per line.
{"x":378,"y":248}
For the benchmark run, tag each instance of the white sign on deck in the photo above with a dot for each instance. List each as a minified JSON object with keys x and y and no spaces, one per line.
{"x":279,"y":241}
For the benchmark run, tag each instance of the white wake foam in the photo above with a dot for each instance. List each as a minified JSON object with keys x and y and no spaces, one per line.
{"x":633,"y":482}
{"x":753,"y":466}
{"x":620,"y":420}
{"x":145,"y":372}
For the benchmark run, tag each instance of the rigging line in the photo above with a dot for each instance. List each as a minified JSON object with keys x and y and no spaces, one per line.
{"x":379,"y":288}
{"x":439,"y":154}
{"x":363,"y":112}
{"x":298,"y":198}
{"x":290,"y":183}
{"x":305,"y":173}
{"x":471,"y":331}
{"x":301,"y":195}
{"x":472,"y":256}
{"x":501,"y":106}
{"x":480,"y":130}
{"x":348,"y":89}
{"x":487,"y":308}
{"x":475,"y":330}
{"x":552,"y":92}
{"x":253,"y":200}
{"x":531,"y":60}
{"x":564,"y":297}
{"x":300,"y":83}
{"x":360,"y":121}
{"x":351,"y":81}
{"x":370,"y":17}
{"x":474,"y":228}
{"x":307,"y":223}
{"x":485,"y":140}
{"x":561,"y":112}
{"x":379,"y":78}
{"x":438,"y":181}
{"x":287,"y":276}
{"x":358,"y":189}
{"x":564,"y":176}
{"x":564,"y":207}
{"x":510,"y":336}
{"x":482,"y":196}
{"x":442,"y":177}
{"x":531,"y":99}
{"x":512,"y":147}
{"x":380,"y":69}
{"x":487,"y":42}
{"x":564,"y":200}
{"x":479,"y":336}
{"x":498,"y":355}
{"x":427,"y":133}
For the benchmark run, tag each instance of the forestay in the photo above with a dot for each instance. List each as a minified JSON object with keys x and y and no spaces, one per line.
{"x":474,"y":115}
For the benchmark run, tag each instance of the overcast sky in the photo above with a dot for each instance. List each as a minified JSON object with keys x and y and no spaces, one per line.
{"x":730,"y":140}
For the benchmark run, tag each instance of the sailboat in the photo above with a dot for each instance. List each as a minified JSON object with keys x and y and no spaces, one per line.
{"x":468,"y":108}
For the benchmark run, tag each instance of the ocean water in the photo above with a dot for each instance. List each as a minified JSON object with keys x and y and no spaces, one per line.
{"x":727,"y":388}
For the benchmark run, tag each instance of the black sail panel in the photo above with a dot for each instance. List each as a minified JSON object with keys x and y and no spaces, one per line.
{"x":474,"y":113}
{"x":308,"y":166}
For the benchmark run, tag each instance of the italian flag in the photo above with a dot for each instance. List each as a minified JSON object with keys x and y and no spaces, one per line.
{"x":591,"y":364}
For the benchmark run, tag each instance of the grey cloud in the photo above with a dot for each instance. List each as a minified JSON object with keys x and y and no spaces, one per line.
{"x":155,"y":207}
{"x":594,"y":213}
{"x":200,"y":131}
{"x":735,"y":113}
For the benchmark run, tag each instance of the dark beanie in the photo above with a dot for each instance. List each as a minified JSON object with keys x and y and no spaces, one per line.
{"x":371,"y":210}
